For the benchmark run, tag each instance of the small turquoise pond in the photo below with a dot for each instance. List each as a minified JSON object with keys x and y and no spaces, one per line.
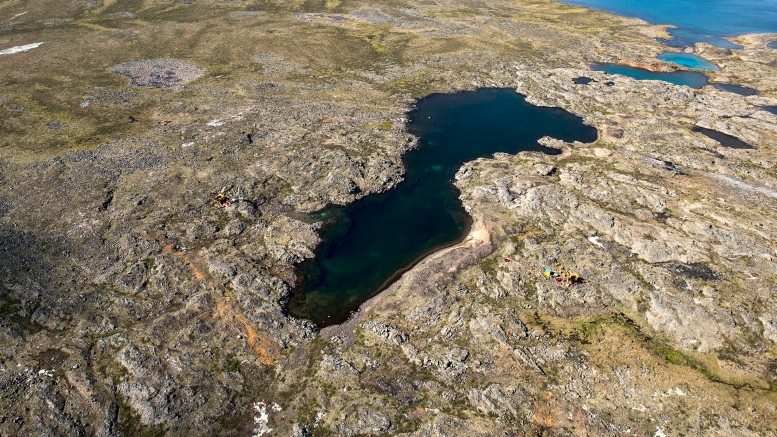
{"x":368,"y":243}
{"x":691,"y":79}
{"x":688,"y":60}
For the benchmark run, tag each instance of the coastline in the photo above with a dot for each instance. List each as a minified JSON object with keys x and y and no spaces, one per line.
{"x":681,"y":34}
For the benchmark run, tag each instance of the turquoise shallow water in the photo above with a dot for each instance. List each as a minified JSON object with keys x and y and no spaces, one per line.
{"x":682,"y":38}
{"x":369,"y":242}
{"x":698,"y":20}
{"x":688,"y":60}
{"x":691,"y":79}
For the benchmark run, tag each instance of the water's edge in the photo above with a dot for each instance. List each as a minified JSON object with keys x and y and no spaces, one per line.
{"x":354,"y":262}
{"x":690,"y":22}
{"x":346,"y":329}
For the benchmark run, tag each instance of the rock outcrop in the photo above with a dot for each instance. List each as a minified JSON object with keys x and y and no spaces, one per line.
{"x":134,"y":299}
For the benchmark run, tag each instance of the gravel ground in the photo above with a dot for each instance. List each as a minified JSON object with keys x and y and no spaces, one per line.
{"x":159,"y":73}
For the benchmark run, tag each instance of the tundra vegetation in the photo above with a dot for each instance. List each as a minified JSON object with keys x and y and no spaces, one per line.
{"x":132,"y":302}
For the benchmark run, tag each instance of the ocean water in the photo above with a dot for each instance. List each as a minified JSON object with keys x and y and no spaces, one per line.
{"x":692,"y":79}
{"x":681,"y":38}
{"x":688,"y":60}
{"x":697,"y":20}
{"x":370,"y":242}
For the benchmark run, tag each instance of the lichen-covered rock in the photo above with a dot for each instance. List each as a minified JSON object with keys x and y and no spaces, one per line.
{"x":136,"y":300}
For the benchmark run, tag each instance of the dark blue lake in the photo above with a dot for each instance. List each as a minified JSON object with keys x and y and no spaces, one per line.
{"x":691,"y":79}
{"x":698,"y":20}
{"x":736,"y":89}
{"x":370,"y":242}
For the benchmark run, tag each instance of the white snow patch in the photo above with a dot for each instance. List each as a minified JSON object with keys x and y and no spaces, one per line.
{"x":659,"y":433}
{"x":221,"y":122}
{"x":595,"y":241}
{"x":19,"y":49}
{"x":185,"y":145}
{"x":675,"y":391}
{"x":262,"y":418}
{"x":319,"y":417}
{"x":18,"y":15}
{"x":47,"y":373}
